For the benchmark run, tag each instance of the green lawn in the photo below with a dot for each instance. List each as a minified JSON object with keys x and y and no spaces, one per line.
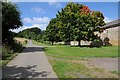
{"x":61,"y":58}
{"x":68,"y":51}
{"x":82,"y":52}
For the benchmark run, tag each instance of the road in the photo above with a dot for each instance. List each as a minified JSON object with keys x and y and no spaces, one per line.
{"x":31,"y":63}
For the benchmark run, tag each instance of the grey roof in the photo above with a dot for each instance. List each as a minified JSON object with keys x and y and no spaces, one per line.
{"x":114,"y":23}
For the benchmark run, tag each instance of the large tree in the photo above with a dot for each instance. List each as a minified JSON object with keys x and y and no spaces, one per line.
{"x":67,"y":20}
{"x":78,"y":22}
{"x":87,"y":22}
{"x":10,"y":20}
{"x":52,"y":31}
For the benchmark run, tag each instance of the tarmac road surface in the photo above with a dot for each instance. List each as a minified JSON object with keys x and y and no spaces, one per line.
{"x":31,"y":63}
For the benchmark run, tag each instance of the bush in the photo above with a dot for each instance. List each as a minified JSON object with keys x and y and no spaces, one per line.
{"x":107,"y":42}
{"x":8,"y":50}
{"x":17,"y":47}
{"x":96,"y":43}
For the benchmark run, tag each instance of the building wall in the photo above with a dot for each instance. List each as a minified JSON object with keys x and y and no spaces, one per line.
{"x":112,"y":34}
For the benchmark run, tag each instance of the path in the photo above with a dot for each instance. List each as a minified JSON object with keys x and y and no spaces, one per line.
{"x":110,"y":64}
{"x":31,"y":63}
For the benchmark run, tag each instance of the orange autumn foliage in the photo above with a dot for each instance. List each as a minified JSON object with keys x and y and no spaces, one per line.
{"x":85,"y":10}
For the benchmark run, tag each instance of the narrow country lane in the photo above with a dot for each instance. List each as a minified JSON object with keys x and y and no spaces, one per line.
{"x":31,"y":63}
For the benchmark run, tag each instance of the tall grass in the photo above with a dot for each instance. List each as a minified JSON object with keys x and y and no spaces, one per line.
{"x":10,"y":51}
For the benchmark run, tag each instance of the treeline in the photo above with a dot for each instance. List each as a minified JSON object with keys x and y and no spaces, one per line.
{"x":31,"y":33}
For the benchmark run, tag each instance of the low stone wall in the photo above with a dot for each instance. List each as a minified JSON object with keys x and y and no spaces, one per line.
{"x":82,"y":42}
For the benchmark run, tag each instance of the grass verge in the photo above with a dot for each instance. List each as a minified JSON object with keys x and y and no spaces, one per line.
{"x":69,"y":69}
{"x":9,"y":57}
{"x":61,"y":58}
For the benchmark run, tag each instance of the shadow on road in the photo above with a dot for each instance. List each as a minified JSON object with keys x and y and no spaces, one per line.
{"x":22,"y":72}
{"x":33,"y":49}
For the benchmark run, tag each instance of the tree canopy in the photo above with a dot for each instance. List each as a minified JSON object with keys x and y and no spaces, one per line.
{"x":75,"y":22}
{"x":52,"y":31}
{"x":31,"y":33}
{"x":10,"y":20}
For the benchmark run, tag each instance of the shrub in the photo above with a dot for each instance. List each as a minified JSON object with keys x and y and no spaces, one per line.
{"x":7,"y":50}
{"x":17,"y":47}
{"x":96,"y":43}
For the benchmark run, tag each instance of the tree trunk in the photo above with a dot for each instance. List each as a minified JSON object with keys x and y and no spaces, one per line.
{"x":79,"y":43}
{"x":67,"y":42}
{"x":52,"y":42}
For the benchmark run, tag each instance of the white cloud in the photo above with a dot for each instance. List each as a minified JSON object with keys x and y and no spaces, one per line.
{"x":36,"y":20}
{"x":56,"y":4}
{"x":107,"y":20}
{"x":20,"y":29}
{"x":26,"y":20}
{"x":41,"y":26}
{"x":38,"y":10}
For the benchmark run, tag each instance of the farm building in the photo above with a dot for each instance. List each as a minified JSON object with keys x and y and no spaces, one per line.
{"x":111,"y":32}
{"x":109,"y":36}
